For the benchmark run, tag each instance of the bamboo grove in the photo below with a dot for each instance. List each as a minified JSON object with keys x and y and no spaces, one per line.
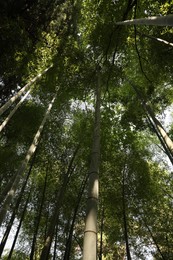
{"x":86,"y":152}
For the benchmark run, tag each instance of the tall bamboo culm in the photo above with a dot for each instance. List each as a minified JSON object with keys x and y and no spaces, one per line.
{"x":90,"y":232}
{"x":20,"y":173}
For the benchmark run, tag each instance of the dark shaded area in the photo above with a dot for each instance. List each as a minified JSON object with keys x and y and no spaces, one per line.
{"x":22,"y":24}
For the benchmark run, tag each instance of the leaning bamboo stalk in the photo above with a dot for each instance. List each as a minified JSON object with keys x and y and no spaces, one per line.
{"x":21,"y":91}
{"x":156,"y":39}
{"x":70,"y":236}
{"x":14,"y":110}
{"x":164,"y":135}
{"x":16,"y":207}
{"x":38,"y":217}
{"x":22,"y":169}
{"x":55,"y":217}
{"x":164,"y":147}
{"x":19,"y":225}
{"x":166,"y":20}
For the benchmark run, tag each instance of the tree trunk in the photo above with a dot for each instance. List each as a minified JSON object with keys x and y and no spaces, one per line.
{"x":37,"y":220}
{"x":101,"y":234}
{"x":166,"y":20}
{"x":13,"y":111}
{"x":21,"y":91}
{"x":125,"y":217}
{"x":55,"y":243}
{"x":8,"y":229}
{"x":155,"y":242}
{"x":55,"y":216}
{"x":46,"y":224}
{"x":69,"y":240}
{"x":7,"y":188}
{"x":90,"y":232}
{"x":19,"y":226}
{"x":78,"y":242}
{"x":22,"y":169}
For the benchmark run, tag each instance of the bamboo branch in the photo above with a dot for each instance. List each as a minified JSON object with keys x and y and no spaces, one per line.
{"x":153,"y":20}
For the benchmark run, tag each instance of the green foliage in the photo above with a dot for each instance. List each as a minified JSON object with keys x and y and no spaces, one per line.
{"x":75,"y":37}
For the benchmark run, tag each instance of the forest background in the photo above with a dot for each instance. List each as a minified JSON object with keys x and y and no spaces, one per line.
{"x":83,"y":102}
